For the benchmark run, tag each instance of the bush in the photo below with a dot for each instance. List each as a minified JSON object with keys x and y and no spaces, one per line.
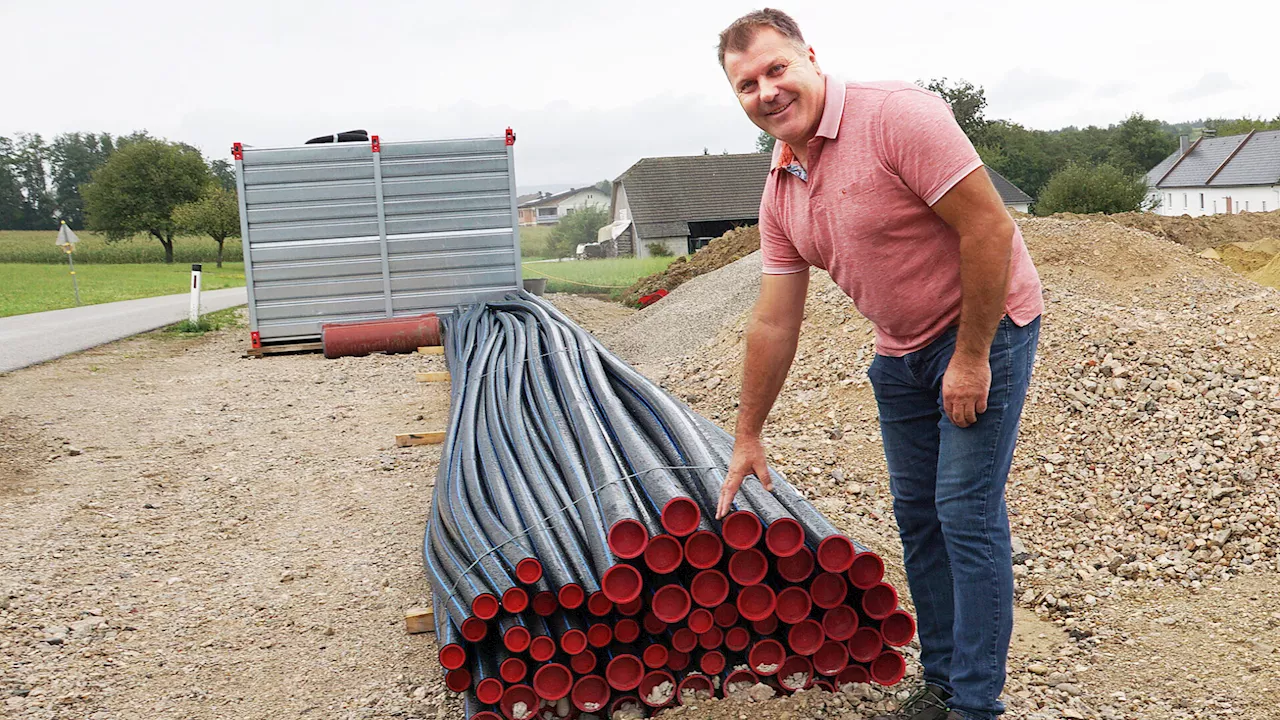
{"x":577,"y":228}
{"x":1092,"y":189}
{"x":658,"y":249}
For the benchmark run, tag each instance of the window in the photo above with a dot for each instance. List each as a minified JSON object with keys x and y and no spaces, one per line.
{"x":1184,"y":199}
{"x":1264,"y":206}
{"x":1246,"y":205}
{"x":1201,"y":201}
{"x":546,"y":212}
{"x":1215,"y":207}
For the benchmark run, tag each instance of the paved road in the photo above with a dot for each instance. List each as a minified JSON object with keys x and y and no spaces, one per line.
{"x":37,"y":337}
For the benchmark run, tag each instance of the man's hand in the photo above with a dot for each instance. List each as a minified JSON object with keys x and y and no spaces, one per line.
{"x":965,"y":387}
{"x":748,"y":458}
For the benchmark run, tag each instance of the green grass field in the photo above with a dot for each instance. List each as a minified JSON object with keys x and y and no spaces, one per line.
{"x":36,"y":246}
{"x":533,"y":241}
{"x":595,"y":277}
{"x":27,"y":287}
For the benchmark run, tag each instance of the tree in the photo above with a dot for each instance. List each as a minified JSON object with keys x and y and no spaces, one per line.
{"x":606,"y":187}
{"x":216,"y":214}
{"x":10,"y":193}
{"x":1092,"y":189}
{"x":1242,"y":125}
{"x":27,"y":162}
{"x":1139,"y":144}
{"x":138,"y":188}
{"x":765,"y":142}
{"x":579,"y":227}
{"x":74,"y":157}
{"x":224,"y":173}
{"x":968,"y":103}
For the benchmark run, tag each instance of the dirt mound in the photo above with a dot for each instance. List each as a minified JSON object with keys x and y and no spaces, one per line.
{"x":734,"y":244}
{"x":1200,"y":232}
{"x":1246,"y":257}
{"x":1268,"y":274}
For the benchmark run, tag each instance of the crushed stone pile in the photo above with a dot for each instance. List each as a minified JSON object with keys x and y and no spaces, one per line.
{"x":1198,"y":233}
{"x":725,"y":249}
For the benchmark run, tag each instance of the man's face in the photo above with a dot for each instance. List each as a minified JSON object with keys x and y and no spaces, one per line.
{"x":779,"y":85}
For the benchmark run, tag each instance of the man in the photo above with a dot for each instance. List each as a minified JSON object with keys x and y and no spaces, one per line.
{"x":877,"y":184}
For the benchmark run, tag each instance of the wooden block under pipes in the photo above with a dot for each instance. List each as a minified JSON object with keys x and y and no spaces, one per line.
{"x":432,"y":376}
{"x":433,"y":437}
{"x":419,"y":620}
{"x":432,"y":350}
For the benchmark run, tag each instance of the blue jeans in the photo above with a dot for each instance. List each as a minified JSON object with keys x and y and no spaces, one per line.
{"x":948,"y":497}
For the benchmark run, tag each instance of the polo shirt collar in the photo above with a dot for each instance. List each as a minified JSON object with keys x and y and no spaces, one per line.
{"x":828,"y":126}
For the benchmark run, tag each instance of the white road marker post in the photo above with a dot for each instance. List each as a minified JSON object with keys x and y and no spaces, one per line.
{"x":67,"y":241}
{"x":195,"y":293}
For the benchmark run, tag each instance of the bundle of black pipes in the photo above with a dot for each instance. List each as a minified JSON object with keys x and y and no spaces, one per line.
{"x":574,"y":560}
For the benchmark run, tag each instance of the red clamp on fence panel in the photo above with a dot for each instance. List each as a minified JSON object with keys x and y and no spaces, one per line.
{"x":255,"y":339}
{"x":237,"y":151}
{"x":377,"y":145}
{"x":511,"y":137}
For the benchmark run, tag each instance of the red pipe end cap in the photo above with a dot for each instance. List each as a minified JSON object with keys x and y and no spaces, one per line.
{"x":711,"y":639}
{"x":898,"y":629}
{"x":740,"y":676}
{"x":629,"y":704}
{"x":888,"y":669}
{"x":841,"y":622}
{"x":726,"y":615}
{"x":529,"y":571}
{"x":571,"y":596}
{"x":474,"y":629}
{"x":653,"y":625}
{"x":657,"y":688}
{"x":654,"y":656}
{"x":622,"y":584}
{"x":599,"y":635}
{"x":671,"y":603}
{"x":583,"y":663}
{"x":624,"y":672}
{"x":515,"y":600}
{"x":798,"y":567}
{"x":485,"y":606}
{"x":806,"y":637}
{"x":631,"y":609}
{"x":692,"y":687}
{"x":681,"y":516}
{"x":879,"y":601}
{"x":709,"y":588}
{"x":824,"y":685}
{"x":513,"y":670}
{"x":866,"y":571}
{"x":835,"y":553}
{"x":766,"y":657}
{"x":737,"y":639}
{"x":517,"y":639}
{"x":545,"y":603}
{"x":489,"y":691}
{"x":684,"y":640}
{"x":794,"y":605}
{"x":452,"y":656}
{"x":628,"y":539}
{"x":701,"y":620}
{"x":784,"y":537}
{"x":458,"y":680}
{"x":573,"y":641}
{"x":626,"y":631}
{"x":741,"y":530}
{"x":542,"y":648}
{"x":552,"y":681}
{"x":519,"y":695}
{"x":677,"y":660}
{"x":866,"y":644}
{"x":831,"y":658}
{"x":756,"y":602}
{"x":828,"y":590}
{"x":748,"y":567}
{"x":590,"y":694}
{"x":766,"y":626}
{"x":664,"y":554}
{"x":853,"y":674}
{"x":792,"y":667}
{"x":599,"y":604}
{"x":486,"y":715}
{"x":712,"y":662}
{"x":703,"y":549}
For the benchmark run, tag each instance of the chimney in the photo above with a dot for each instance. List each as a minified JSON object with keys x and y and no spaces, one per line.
{"x":1184,"y":142}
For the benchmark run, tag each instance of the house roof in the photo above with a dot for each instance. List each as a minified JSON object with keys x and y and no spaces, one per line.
{"x":555,"y":198}
{"x":667,"y":193}
{"x":1009,"y":193}
{"x":522,"y":199}
{"x":1251,"y":159}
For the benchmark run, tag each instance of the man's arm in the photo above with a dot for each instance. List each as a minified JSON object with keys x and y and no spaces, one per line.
{"x":772,"y":337}
{"x":974,"y":209}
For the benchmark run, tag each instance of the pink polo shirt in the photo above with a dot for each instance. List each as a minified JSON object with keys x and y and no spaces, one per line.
{"x":884,"y":154}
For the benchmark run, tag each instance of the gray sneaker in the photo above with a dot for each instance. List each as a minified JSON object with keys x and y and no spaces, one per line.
{"x":927,"y":703}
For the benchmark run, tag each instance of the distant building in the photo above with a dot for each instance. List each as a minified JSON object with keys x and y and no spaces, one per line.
{"x":549,"y":209}
{"x":1013,"y":197}
{"x":1219,"y":175}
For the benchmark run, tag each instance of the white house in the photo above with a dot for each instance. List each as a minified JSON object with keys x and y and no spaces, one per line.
{"x":549,"y":209}
{"x":1219,"y":175}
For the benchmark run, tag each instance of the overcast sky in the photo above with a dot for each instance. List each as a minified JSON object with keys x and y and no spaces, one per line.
{"x":591,"y":87}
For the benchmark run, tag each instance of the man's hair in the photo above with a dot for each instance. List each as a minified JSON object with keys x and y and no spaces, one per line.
{"x":738,"y":36}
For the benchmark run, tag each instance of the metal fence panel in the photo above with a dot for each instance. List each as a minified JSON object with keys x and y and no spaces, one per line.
{"x":357,"y":231}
